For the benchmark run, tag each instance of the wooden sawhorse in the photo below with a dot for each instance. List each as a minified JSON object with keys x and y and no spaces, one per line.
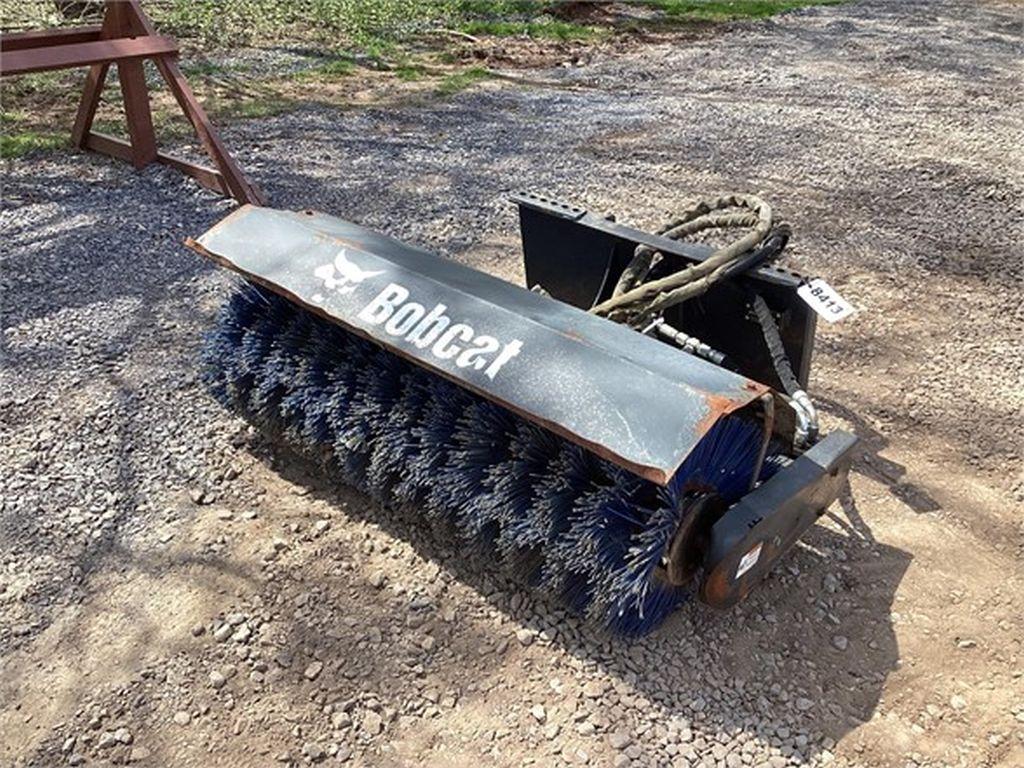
{"x":126,"y":38}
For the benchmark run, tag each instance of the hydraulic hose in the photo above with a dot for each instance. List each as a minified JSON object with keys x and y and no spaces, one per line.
{"x":806,"y":413}
{"x":635,"y":300}
{"x":767,"y":252}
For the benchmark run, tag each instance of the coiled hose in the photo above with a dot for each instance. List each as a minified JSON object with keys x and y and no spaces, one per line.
{"x":635,"y":301}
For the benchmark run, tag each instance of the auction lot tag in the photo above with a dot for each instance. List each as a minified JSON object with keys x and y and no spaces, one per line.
{"x":824,"y":300}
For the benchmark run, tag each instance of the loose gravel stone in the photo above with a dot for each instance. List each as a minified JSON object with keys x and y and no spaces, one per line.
{"x":372,"y":723}
{"x":620,"y":740}
{"x":139,"y":754}
{"x":283,"y":659}
{"x":341,"y":720}
{"x":313,"y":751}
{"x":106,"y":740}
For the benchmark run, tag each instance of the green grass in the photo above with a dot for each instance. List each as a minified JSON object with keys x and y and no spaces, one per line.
{"x":252,"y":108}
{"x":334,"y":68}
{"x":459,"y":81}
{"x":340,"y":67}
{"x":234,"y":22}
{"x":21,"y":134}
{"x":399,"y":37}
{"x":36,"y":82}
{"x":208,"y":68}
{"x":113,"y":126}
{"x":551,"y":29}
{"x":494,"y":8}
{"x":20,"y":144}
{"x":379,"y":52}
{"x":409,"y":72}
{"x":728,"y":10}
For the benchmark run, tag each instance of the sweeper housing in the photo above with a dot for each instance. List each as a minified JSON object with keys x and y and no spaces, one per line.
{"x":634,"y":427}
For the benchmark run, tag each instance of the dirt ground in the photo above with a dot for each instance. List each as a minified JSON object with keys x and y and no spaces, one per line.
{"x":176,"y":590}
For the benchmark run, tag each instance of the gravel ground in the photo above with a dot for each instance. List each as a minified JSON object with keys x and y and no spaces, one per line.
{"x":176,"y":591}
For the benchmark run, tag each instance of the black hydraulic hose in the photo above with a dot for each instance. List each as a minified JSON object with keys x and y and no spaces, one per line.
{"x":770,"y":331}
{"x":768,"y":251}
{"x":807,"y":417}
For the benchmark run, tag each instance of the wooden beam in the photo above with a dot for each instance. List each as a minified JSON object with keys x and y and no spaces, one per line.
{"x":108,"y":145}
{"x":82,"y":54}
{"x":122,"y":150}
{"x":126,"y":37}
{"x":134,"y":20}
{"x":136,"y":111}
{"x":20,"y":41}
{"x":88,"y":103}
{"x":241,"y":189}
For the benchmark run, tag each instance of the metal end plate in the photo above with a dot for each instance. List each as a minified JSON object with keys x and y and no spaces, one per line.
{"x":766,"y":523}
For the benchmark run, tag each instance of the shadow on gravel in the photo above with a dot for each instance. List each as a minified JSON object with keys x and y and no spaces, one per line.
{"x":112,"y":433}
{"x":889,"y":473}
{"x":67,"y":250}
{"x":770,"y":668}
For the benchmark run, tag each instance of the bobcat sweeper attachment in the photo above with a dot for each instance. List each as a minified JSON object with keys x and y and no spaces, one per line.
{"x":631,"y":429}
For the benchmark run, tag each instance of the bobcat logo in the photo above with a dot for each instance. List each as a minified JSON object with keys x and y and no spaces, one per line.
{"x":343,"y":275}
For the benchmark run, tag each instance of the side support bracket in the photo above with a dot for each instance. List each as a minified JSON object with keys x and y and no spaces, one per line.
{"x":766,"y":523}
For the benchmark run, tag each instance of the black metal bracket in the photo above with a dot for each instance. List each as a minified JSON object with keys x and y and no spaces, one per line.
{"x":572,"y":253}
{"x":765,"y":524}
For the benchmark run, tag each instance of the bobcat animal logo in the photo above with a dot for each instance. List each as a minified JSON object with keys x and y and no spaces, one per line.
{"x":343,"y":275}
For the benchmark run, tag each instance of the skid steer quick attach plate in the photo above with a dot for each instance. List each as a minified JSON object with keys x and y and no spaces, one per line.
{"x":627,"y":397}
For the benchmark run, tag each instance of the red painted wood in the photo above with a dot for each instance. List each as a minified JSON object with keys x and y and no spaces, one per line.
{"x":81,"y":54}
{"x":126,"y":37}
{"x":88,"y":103}
{"x":136,"y":109}
{"x":121,"y":149}
{"x":19,"y":41}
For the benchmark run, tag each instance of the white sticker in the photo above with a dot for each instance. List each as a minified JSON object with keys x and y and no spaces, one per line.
{"x":750,"y":559}
{"x":824,"y":300}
